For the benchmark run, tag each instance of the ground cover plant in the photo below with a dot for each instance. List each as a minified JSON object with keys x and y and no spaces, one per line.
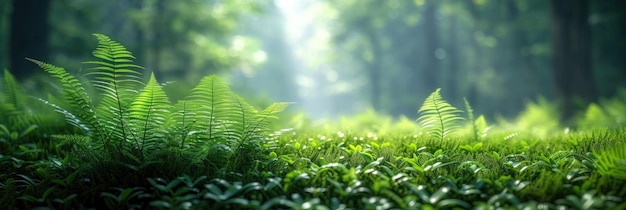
{"x":125,"y":145}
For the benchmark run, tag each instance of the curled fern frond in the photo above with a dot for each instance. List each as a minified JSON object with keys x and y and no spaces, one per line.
{"x":438,"y":116}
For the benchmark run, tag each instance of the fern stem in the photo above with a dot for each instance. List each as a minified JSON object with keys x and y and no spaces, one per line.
{"x":183,"y":134}
{"x":145,"y":125}
{"x":212,"y":109}
{"x":440,"y":120}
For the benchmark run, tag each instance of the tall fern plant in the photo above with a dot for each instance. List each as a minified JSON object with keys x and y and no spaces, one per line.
{"x":132,"y":119}
{"x":438,"y":117}
{"x":214,"y":115}
{"x":116,"y":78}
{"x":478,"y":125}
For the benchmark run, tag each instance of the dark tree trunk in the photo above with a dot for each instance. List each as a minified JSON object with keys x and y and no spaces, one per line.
{"x":29,"y":35}
{"x":571,"y":39}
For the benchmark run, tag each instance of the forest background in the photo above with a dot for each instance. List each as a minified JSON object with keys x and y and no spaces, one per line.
{"x":344,"y":57}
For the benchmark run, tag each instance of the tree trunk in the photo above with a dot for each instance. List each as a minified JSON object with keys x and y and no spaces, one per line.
{"x":453,"y":59}
{"x":374,"y":71}
{"x":571,"y":37}
{"x":432,"y":66}
{"x":29,"y":35}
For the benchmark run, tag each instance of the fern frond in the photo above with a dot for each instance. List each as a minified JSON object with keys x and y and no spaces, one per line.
{"x":118,"y":79}
{"x":148,"y":114}
{"x":12,"y":98}
{"x":248,"y":118}
{"x":470,"y":116}
{"x":612,"y":161}
{"x":215,"y":110}
{"x":181,"y":122}
{"x":69,"y":117}
{"x":223,"y":117}
{"x":78,"y":101}
{"x":114,"y":72}
{"x":481,"y":126}
{"x":439,"y":116}
{"x":263,"y":118}
{"x":18,"y":112}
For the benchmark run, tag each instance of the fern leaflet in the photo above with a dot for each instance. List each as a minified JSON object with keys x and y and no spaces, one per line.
{"x":79,"y":102}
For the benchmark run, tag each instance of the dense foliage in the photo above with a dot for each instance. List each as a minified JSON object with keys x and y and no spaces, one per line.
{"x":127,"y":146}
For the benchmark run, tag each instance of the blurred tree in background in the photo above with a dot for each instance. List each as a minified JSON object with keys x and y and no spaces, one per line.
{"x":29,"y":33}
{"x":176,"y":39}
{"x":571,"y":41}
{"x":5,"y":12}
{"x":344,"y":57}
{"x":498,"y":54}
{"x":479,"y":49}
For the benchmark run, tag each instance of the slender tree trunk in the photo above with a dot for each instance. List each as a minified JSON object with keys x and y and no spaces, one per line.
{"x":139,"y":34}
{"x":29,"y":35}
{"x":374,"y":71}
{"x":571,"y":37}
{"x":472,"y":90}
{"x":453,"y":59}
{"x":432,"y":66}
{"x":156,"y":32}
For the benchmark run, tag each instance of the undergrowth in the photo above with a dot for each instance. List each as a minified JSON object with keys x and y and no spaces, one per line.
{"x":113,"y":138}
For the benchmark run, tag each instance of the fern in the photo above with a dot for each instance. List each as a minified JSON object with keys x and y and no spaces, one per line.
{"x":12,"y":104}
{"x":12,"y":98}
{"x":612,"y":162}
{"x":478,"y":125}
{"x":214,"y":109}
{"x":81,"y":111}
{"x":223,"y":117}
{"x":481,"y":127}
{"x":115,"y":76}
{"x":180,"y":124}
{"x":263,"y":118}
{"x":106,"y":122}
{"x":438,"y":116}
{"x":130,"y":125}
{"x":148,"y":115}
{"x":470,"y":115}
